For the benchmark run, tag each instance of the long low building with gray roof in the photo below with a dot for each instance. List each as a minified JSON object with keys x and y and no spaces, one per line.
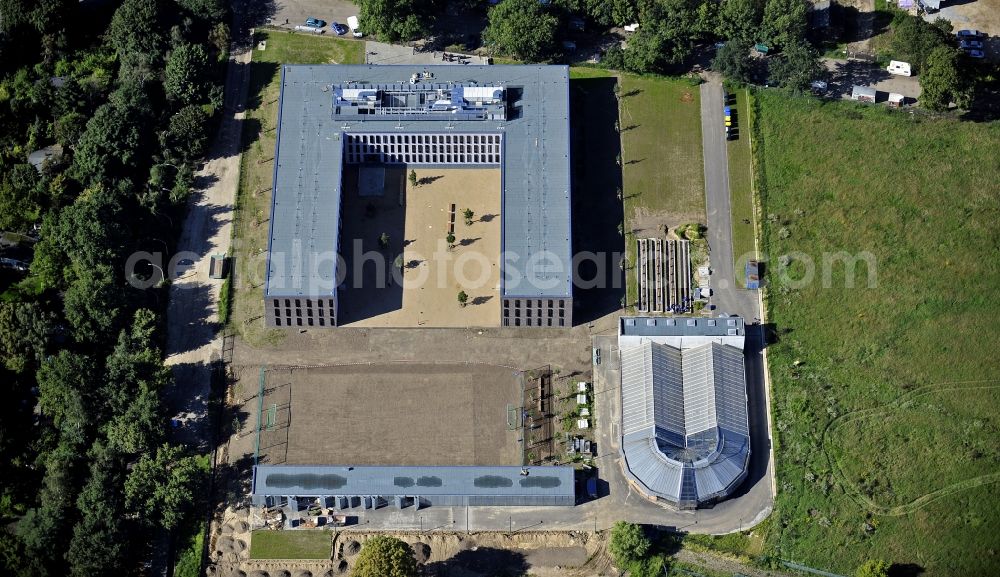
{"x":514,"y":118}
{"x":685,"y":431}
{"x":345,"y":486}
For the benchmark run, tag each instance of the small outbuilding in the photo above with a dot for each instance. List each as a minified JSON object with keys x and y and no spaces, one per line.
{"x":896,"y":100}
{"x":863,"y":94}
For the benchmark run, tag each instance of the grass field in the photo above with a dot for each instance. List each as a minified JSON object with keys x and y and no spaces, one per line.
{"x":886,"y":399}
{"x":266,"y":544}
{"x":741,"y":183}
{"x":662,"y":167}
{"x":256,"y":168}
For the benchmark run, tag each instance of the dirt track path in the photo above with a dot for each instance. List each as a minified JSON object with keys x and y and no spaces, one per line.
{"x":194,"y":297}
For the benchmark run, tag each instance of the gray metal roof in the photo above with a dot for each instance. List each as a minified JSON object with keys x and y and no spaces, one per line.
{"x":327,"y":481}
{"x":685,"y":433}
{"x":679,"y":326}
{"x":535,"y":178}
{"x":305,"y":205}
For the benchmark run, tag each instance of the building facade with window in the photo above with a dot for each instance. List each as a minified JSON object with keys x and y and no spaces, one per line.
{"x":512,"y":118}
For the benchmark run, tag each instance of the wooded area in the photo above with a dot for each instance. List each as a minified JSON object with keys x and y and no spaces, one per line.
{"x":124,"y":99}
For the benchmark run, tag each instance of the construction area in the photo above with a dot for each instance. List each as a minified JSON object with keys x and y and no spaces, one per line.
{"x":401,"y":269}
{"x":663,"y":271}
{"x":401,"y":414}
{"x":329,"y":553}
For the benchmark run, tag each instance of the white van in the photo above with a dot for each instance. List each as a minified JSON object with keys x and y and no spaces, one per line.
{"x":352,"y":23}
{"x":898,"y":68}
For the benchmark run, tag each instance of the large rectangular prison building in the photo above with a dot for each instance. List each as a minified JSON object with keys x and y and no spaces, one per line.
{"x":514,"y":118}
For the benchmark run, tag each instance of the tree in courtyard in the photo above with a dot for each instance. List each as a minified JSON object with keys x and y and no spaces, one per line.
{"x":450,"y":239}
{"x":629,"y":543}
{"x":873,"y":568}
{"x":383,"y":240}
{"x":413,"y":178}
{"x":523,"y":29}
{"x":384,"y":556}
{"x":463,"y":298}
{"x":468,"y":214}
{"x":942,"y":81}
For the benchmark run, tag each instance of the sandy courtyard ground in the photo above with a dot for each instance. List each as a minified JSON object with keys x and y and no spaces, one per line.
{"x":432,"y":275}
{"x":391,"y":414}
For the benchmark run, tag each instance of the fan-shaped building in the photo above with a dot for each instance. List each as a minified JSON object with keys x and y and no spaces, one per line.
{"x":685,"y":434}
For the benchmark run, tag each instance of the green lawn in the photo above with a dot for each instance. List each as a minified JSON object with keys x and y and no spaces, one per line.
{"x":256,"y":169}
{"x":662,"y":167}
{"x":741,"y":184}
{"x":302,"y":544}
{"x":885,"y":399}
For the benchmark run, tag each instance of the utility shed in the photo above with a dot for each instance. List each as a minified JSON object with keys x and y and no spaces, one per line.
{"x":441,"y":486}
{"x":863,"y":94}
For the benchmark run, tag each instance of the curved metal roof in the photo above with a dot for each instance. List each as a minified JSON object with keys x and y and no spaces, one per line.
{"x":685,"y":433}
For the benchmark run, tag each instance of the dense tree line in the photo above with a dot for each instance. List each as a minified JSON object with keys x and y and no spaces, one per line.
{"x":86,"y":473}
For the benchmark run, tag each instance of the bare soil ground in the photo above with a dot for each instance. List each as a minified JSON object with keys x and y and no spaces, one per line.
{"x":389,"y":414}
{"x":432,"y":274}
{"x":568,"y":554}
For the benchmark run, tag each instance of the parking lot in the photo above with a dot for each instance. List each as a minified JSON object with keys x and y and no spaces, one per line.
{"x":293,"y":12}
{"x":982,"y":15}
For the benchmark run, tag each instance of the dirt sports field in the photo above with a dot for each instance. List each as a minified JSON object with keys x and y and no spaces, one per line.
{"x":391,"y":414}
{"x":417,"y":220}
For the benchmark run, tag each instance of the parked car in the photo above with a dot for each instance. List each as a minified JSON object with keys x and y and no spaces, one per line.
{"x":970,"y":44}
{"x":970,"y":34}
{"x":819,"y":85}
{"x":315,"y":23}
{"x":338,"y":28}
{"x":975,"y":53}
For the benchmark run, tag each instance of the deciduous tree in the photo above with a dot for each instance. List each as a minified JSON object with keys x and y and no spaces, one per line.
{"x":523,"y":29}
{"x":797,"y":66}
{"x":943,"y":82}
{"x":161,"y":487}
{"x":733,"y":60}
{"x":384,"y":556}
{"x":24,"y":334}
{"x":739,"y":20}
{"x":785,"y":22}
{"x":873,"y":568}
{"x":628,"y":543}
{"x":185,"y":72}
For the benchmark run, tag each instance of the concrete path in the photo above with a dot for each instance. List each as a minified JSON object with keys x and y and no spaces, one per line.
{"x":193,"y":307}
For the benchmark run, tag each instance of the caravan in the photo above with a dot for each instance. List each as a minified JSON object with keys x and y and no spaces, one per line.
{"x":352,"y":23}
{"x":898,"y":68}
